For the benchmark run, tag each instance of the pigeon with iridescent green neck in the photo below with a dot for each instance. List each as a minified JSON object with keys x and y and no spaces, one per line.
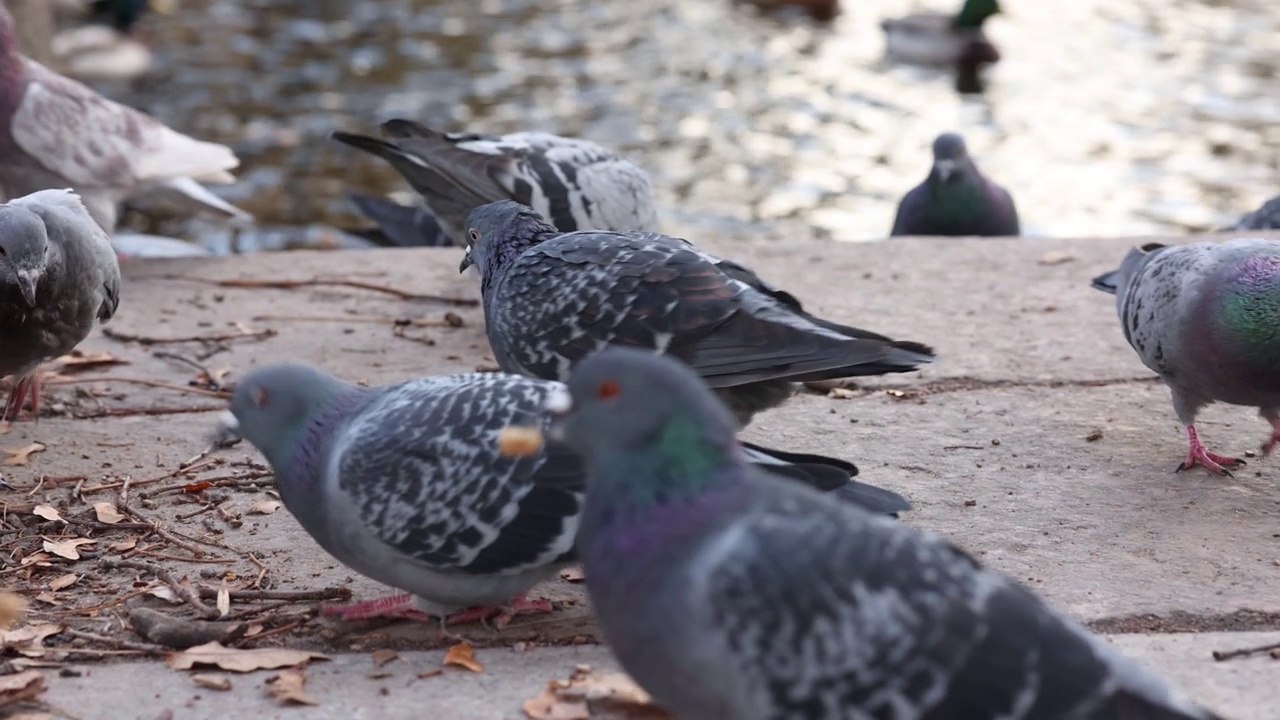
{"x":956,"y":198}
{"x":1206,"y":317}
{"x":728,"y":594}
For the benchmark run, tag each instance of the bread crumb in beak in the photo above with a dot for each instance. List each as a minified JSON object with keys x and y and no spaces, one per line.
{"x":519,"y":441}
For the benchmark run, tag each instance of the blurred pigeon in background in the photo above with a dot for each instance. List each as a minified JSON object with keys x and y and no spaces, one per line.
{"x":1266,"y":217}
{"x":397,"y":225}
{"x":956,"y":199}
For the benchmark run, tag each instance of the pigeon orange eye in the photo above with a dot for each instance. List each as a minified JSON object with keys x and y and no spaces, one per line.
{"x":474,"y":234}
{"x":258,"y":396}
{"x":609,"y":389}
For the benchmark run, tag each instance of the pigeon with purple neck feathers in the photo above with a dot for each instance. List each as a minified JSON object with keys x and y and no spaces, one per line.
{"x":58,"y":275}
{"x":404,"y":484}
{"x":1206,"y":317}
{"x":1266,"y":217}
{"x":551,"y":298}
{"x":956,"y":199}
{"x":574,"y":184}
{"x":727,"y":594}
{"x":58,"y":133}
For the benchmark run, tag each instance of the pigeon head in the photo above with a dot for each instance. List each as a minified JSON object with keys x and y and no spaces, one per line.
{"x":24,"y":250}
{"x":975,"y":12}
{"x":498,"y":232}
{"x":949,"y":155}
{"x":273,"y":408}
{"x":1117,"y":280}
{"x":626,"y":406}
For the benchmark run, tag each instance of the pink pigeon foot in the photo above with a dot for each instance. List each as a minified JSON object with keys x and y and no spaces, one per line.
{"x":501,"y":615}
{"x":391,"y":606}
{"x":1198,"y":453}
{"x":1270,"y":444}
{"x":22,"y":388}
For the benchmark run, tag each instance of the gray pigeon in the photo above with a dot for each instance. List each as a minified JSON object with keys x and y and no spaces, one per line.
{"x":404,"y":483}
{"x":956,"y":199}
{"x":397,"y":225}
{"x":727,"y":594}
{"x":1266,"y":217}
{"x":1205,"y":317}
{"x":551,"y":299}
{"x":57,"y":275}
{"x":575,"y":184}
{"x":57,"y":133}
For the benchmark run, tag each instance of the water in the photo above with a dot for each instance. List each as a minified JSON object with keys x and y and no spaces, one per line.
{"x":1103,"y":118}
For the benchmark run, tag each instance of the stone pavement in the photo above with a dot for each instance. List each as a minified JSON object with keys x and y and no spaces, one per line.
{"x":1037,"y":440}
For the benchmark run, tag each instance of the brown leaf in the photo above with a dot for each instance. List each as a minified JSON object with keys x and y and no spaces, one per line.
{"x":238,"y":660}
{"x":264,"y":507}
{"x":840,"y":393}
{"x":382,"y":656}
{"x":77,"y":360}
{"x":585,"y":693}
{"x":123,"y":545}
{"x":224,"y":601}
{"x":20,"y":455}
{"x":548,"y":705}
{"x":63,"y":581}
{"x":286,"y":686}
{"x":30,"y":636}
{"x":48,"y":512}
{"x":107,"y":513}
{"x":197,"y":486}
{"x":67,"y":548}
{"x":462,"y":655}
{"x":12,"y":608}
{"x":572,"y":574}
{"x":1056,"y":257}
{"x":213,"y":682}
{"x":21,"y":687}
{"x":36,"y":558}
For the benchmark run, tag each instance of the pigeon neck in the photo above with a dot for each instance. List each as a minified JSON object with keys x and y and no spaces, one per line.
{"x":502,"y":256}
{"x":299,"y":460}
{"x":11,"y":65}
{"x":1250,"y":308}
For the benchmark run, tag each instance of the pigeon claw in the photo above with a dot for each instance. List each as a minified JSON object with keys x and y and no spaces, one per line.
{"x":497,"y":617}
{"x":22,"y":388}
{"x":391,"y":606}
{"x":1198,"y":454}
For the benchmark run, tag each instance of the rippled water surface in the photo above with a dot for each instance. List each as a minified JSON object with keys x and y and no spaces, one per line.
{"x":1116,"y":117}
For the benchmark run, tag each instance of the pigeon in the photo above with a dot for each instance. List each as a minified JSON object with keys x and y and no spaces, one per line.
{"x":1206,"y":318}
{"x":956,"y":199}
{"x":1266,"y":217}
{"x":551,"y":298}
{"x":727,"y":594}
{"x":57,"y":133}
{"x":58,"y":274}
{"x":398,"y":225}
{"x":939,"y":39}
{"x":575,"y":184}
{"x":404,"y":484}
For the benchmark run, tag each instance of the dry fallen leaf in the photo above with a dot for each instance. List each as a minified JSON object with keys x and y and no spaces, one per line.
{"x":286,"y":686}
{"x":572,"y":574}
{"x":48,"y":512}
{"x":224,"y":601}
{"x":20,"y":455}
{"x":264,"y":507}
{"x":164,"y":592}
{"x":841,"y":393}
{"x":107,"y":513}
{"x":67,"y":548}
{"x":123,"y":545}
{"x":63,"y":581}
{"x":382,"y":656}
{"x":1056,"y":257}
{"x":12,"y":607}
{"x":36,"y":558}
{"x":213,"y":682}
{"x":462,"y":655}
{"x":77,"y":360}
{"x":238,"y":660}
{"x":586,"y":692}
{"x":21,"y":687}
{"x":27,"y":637}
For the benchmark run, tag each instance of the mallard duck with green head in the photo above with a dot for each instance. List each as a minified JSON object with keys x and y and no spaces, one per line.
{"x":940,"y":39}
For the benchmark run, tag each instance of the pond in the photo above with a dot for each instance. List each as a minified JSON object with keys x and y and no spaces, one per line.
{"x":1103,"y":118}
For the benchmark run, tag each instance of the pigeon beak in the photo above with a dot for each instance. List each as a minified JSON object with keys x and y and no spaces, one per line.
{"x":27,"y":281}
{"x":945,"y":168}
{"x":1106,"y":282}
{"x":558,"y":402}
{"x":227,"y":431}
{"x":466,"y":262}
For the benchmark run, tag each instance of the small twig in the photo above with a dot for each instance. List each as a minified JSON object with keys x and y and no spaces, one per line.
{"x":449,"y":320}
{"x":129,"y":482}
{"x":130,"y":412}
{"x":278,"y":631}
{"x":235,"y":480}
{"x":140,"y":381}
{"x":331,"y":282}
{"x":118,"y":644}
{"x":164,"y":576}
{"x":212,"y":377}
{"x":262,"y":570}
{"x":331,"y":593}
{"x":219,"y":337}
{"x":159,"y":530}
{"x":166,"y":556}
{"x":963,"y":447}
{"x":201,"y":511}
{"x":1221,"y":655}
